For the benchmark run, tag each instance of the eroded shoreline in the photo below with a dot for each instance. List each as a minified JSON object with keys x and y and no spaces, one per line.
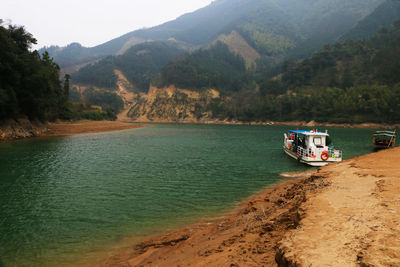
{"x":346,"y":213}
{"x":81,"y":127}
{"x":23,"y":128}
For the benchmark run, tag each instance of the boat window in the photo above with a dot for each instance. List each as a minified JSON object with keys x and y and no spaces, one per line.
{"x":328,"y":140}
{"x":317,"y":141}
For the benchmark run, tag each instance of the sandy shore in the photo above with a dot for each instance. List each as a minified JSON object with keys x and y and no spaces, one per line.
{"x":353,"y":221}
{"x":23,"y":128}
{"x":80,"y":127}
{"x":346,"y":214}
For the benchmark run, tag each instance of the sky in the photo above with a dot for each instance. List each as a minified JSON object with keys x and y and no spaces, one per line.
{"x":90,"y":22}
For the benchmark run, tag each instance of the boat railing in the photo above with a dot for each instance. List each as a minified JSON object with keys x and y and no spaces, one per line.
{"x":334,"y":153}
{"x":304,"y":152}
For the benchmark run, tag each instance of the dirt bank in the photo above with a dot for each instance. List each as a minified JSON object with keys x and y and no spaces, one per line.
{"x":354,"y":221}
{"x":68,"y":128}
{"x":23,"y":128}
{"x":345,"y":214}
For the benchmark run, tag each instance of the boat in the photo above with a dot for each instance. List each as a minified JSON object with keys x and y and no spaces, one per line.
{"x":384,"y":139}
{"x":311,"y":147}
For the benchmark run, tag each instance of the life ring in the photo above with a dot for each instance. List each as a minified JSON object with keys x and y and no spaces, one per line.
{"x":325,"y":155}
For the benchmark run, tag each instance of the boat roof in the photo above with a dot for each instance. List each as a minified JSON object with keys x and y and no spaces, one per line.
{"x":309,"y":132}
{"x":385,"y":133}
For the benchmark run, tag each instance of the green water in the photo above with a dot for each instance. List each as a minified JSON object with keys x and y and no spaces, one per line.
{"x":66,"y":199}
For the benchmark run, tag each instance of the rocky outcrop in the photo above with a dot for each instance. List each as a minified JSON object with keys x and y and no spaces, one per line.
{"x":172,"y":105}
{"x":21,"y":128}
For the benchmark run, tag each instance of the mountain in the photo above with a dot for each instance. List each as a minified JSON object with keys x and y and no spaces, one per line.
{"x":324,"y":21}
{"x":374,"y":60}
{"x":243,"y":73}
{"x":232,"y":47}
{"x":271,"y":27}
{"x":383,"y":16}
{"x":215,"y":67}
{"x":355,"y":81}
{"x":140,"y":64}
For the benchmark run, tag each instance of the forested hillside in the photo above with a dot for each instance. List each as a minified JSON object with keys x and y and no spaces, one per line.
{"x":29,"y":83}
{"x":355,"y":81}
{"x":352,"y":63}
{"x":383,"y":16}
{"x":73,"y":54}
{"x":324,"y":21}
{"x":139,"y":64}
{"x":215,"y":67}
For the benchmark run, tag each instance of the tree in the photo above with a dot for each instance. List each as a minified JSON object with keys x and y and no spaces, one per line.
{"x":67,"y":77}
{"x":29,"y":83}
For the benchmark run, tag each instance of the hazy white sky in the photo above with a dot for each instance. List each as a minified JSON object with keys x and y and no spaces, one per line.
{"x":91,"y":22}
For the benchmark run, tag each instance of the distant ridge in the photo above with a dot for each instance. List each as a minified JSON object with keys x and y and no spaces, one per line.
{"x":383,"y":16}
{"x":271,"y":27}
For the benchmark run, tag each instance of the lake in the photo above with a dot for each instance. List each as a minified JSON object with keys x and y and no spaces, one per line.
{"x":66,"y":200}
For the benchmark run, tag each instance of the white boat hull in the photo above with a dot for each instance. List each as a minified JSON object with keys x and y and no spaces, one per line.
{"x":309,"y":161}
